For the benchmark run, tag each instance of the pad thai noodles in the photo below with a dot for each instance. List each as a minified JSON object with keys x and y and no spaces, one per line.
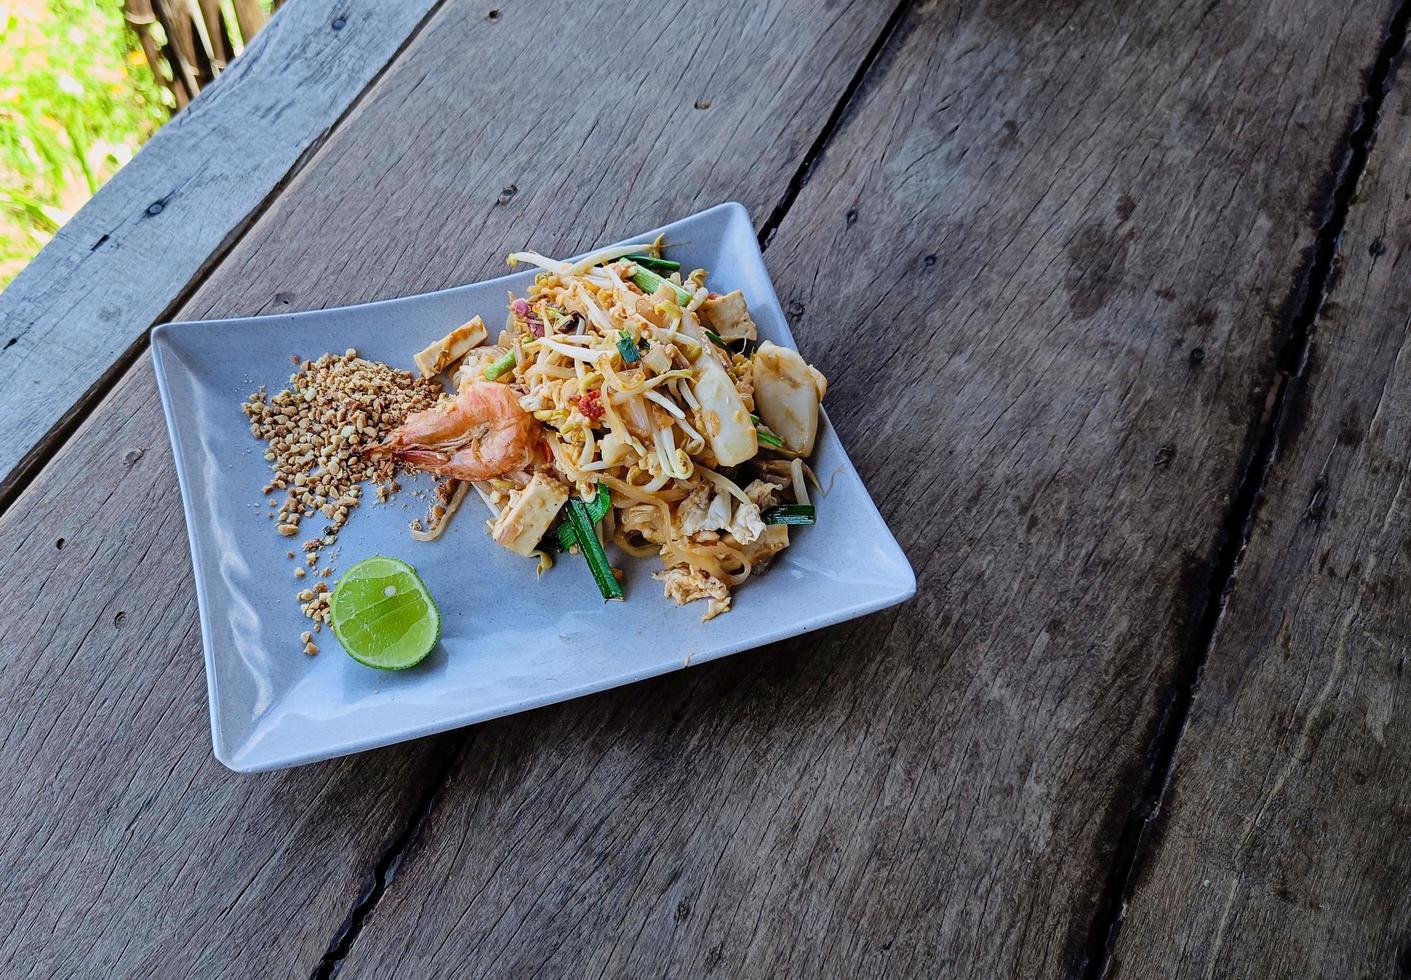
{"x":625,"y":405}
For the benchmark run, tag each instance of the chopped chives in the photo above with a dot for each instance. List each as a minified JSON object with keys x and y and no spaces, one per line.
{"x":628,"y":350}
{"x":654,"y":263}
{"x":499,"y":366}
{"x":567,"y":540}
{"x":769,"y":438}
{"x":577,"y":532}
{"x":588,"y":543}
{"x":789,"y":514}
{"x":602,"y":500}
{"x":648,"y":282}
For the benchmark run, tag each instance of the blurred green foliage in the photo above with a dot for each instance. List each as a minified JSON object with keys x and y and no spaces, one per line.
{"x":76,"y":101}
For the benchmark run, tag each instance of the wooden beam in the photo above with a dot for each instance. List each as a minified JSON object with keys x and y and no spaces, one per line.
{"x":190,"y":63}
{"x":1284,"y":846}
{"x":215,"y":34}
{"x":127,"y":849}
{"x":140,"y":17}
{"x":81,"y":309}
{"x":251,"y":17}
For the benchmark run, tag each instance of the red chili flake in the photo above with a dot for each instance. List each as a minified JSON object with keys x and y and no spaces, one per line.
{"x":589,"y":404}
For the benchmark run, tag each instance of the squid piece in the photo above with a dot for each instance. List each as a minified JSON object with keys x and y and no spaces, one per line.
{"x":787,"y":393}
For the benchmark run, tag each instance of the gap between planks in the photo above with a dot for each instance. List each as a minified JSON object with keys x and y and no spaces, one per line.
{"x":1306,"y":299}
{"x":29,"y":466}
{"x":385,"y":868}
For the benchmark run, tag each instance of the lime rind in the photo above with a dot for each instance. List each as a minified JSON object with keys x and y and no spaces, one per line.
{"x":356,"y":610}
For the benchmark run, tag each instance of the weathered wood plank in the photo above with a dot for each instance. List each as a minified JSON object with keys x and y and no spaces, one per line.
{"x":128,"y":849}
{"x":68,"y":320}
{"x":1042,"y":262}
{"x":1284,"y":849}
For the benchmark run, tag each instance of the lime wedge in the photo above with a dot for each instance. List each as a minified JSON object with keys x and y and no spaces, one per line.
{"x":383,"y":615}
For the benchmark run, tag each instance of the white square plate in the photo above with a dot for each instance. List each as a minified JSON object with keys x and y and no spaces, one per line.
{"x":508,"y":642}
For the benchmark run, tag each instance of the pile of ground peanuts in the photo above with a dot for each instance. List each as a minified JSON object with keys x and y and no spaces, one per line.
{"x":316,"y":431}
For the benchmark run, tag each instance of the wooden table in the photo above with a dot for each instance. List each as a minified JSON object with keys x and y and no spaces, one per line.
{"x":1112,"y":301}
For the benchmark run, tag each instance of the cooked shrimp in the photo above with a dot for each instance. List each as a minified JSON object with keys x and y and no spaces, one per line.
{"x":483,"y":434}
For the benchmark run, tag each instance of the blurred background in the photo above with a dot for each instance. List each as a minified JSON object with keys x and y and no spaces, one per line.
{"x":84,"y":83}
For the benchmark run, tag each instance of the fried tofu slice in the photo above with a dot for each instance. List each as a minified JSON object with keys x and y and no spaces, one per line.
{"x":729,"y":316}
{"x":451,"y":348}
{"x":525,"y":521}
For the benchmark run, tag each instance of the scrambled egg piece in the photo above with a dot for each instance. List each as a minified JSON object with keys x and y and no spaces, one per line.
{"x":686,"y":583}
{"x":703,"y":511}
{"x":746,"y":524}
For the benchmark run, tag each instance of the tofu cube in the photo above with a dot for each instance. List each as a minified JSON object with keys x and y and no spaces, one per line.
{"x":729,"y":316}
{"x":528,"y":518}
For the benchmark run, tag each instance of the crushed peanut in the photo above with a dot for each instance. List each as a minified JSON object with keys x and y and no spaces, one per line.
{"x":316,"y":608}
{"x":316,"y":431}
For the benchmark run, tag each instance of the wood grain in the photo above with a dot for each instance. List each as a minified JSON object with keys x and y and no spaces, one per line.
{"x":1043,"y":262}
{"x":128,"y":850}
{"x":152,"y":231}
{"x":1285,"y":847}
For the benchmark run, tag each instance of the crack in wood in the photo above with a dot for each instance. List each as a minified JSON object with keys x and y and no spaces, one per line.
{"x":384,"y":870}
{"x":1309,"y":293}
{"x":831,"y":124}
